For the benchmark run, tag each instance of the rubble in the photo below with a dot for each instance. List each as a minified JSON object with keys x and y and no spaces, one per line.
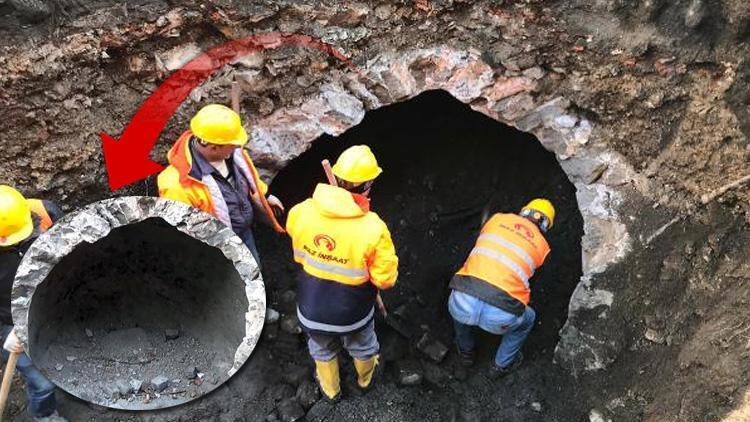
{"x":111,"y":393}
{"x":272,"y":316}
{"x":290,"y":410}
{"x":136,"y":385}
{"x":307,"y":394}
{"x":123,"y":387}
{"x":432,"y":348}
{"x":596,"y":416}
{"x":435,"y":375}
{"x":409,"y":372}
{"x":290,"y":324}
{"x":295,"y":374}
{"x":192,"y":373}
{"x":282,"y":391}
{"x":171,"y":334}
{"x":319,"y":412}
{"x":159,"y":383}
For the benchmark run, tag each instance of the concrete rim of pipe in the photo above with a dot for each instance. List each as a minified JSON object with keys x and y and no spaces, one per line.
{"x":94,"y":223}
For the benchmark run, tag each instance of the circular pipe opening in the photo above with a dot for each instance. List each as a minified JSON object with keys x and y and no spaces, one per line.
{"x":145,"y":317}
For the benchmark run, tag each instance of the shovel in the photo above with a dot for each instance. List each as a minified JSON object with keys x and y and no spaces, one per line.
{"x":10,"y":368}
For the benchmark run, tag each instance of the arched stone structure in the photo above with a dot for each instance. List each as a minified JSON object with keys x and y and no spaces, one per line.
{"x":601,"y":176}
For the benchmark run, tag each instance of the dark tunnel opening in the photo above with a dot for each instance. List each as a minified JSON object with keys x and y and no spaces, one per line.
{"x":444,"y":166}
{"x":147,"y":317}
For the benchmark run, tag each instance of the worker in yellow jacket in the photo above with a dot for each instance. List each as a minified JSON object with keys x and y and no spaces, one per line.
{"x":210,"y":169}
{"x":347,"y":254}
{"x":491,"y":291}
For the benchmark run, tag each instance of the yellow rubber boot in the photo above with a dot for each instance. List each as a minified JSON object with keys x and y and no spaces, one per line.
{"x":365,"y":371}
{"x":328,"y":378}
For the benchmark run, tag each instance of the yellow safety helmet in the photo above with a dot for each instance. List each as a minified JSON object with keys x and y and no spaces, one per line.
{"x":357,"y":165}
{"x":219,"y":125}
{"x":16,"y":224}
{"x":543,"y":207}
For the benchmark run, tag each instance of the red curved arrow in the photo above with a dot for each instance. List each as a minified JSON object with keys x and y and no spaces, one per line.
{"x":127,"y":160}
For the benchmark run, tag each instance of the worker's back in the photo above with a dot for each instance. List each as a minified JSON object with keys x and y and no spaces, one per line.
{"x":346,"y":254}
{"x":507,"y":253}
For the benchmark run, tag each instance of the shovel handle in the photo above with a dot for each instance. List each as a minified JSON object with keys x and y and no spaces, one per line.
{"x":332,"y":181}
{"x":329,"y":173}
{"x":234,"y":94}
{"x":10,"y":368}
{"x":381,"y":305}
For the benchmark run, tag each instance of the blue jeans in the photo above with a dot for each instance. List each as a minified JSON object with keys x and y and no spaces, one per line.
{"x":469,"y":312}
{"x":40,"y":391}
{"x":249,"y":240}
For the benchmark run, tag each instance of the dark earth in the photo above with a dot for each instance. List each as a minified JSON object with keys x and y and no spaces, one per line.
{"x":665,"y":83}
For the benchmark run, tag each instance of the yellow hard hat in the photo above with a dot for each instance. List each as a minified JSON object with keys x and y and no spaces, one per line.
{"x":219,"y":125}
{"x":16,"y":224}
{"x":542,"y":206}
{"x":357,"y":165}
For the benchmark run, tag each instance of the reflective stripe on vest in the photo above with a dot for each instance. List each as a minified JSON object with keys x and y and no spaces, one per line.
{"x":220,"y":205}
{"x":319,"y":326}
{"x":508,"y":251}
{"x":37,"y":208}
{"x":499,"y":240}
{"x":330,"y":268}
{"x":502,"y":259}
{"x":239,"y":161}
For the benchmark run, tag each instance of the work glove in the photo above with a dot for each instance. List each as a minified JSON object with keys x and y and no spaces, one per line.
{"x":13,"y":343}
{"x":276,"y":205}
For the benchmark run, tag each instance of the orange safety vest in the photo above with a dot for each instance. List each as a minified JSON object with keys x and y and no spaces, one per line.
{"x":37,"y":208}
{"x":508,"y":251}
{"x":176,"y":183}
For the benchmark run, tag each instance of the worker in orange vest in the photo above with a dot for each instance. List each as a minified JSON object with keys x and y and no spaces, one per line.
{"x":21,"y":222}
{"x":491,"y":290}
{"x":210,"y":169}
{"x":346,"y":254}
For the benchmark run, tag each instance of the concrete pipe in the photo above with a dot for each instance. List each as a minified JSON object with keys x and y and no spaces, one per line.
{"x":139,"y":303}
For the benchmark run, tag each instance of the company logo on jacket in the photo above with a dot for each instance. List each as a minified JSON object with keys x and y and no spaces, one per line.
{"x":326,"y":240}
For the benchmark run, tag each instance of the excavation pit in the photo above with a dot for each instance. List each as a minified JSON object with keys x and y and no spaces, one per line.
{"x":445,"y":168}
{"x":147,"y":316}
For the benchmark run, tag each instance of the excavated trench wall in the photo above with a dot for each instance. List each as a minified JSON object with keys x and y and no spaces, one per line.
{"x":139,"y":303}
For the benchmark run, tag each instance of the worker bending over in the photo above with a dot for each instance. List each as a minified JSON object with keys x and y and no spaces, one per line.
{"x":210,"y":169}
{"x":491,"y":291}
{"x":21,"y":222}
{"x":346,"y":254}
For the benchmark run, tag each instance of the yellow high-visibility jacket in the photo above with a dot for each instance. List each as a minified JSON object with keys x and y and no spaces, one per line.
{"x":346,"y":253}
